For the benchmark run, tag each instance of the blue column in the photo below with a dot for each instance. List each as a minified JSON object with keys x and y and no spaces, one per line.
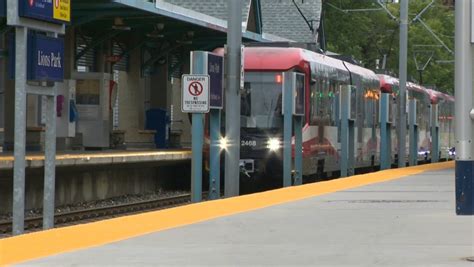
{"x":384,"y":132}
{"x":196,"y":164}
{"x":464,"y":187}
{"x":299,"y":150}
{"x":197,"y":67}
{"x":351,"y":154}
{"x":214,"y":155}
{"x":287,"y":125}
{"x":345,"y":109}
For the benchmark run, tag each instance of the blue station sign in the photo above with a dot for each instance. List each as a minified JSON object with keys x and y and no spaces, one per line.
{"x":215,"y":70}
{"x":56,"y":11}
{"x":45,"y":58}
{"x":3,"y":8}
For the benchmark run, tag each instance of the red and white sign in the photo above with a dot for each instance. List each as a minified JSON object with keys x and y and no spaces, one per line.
{"x":195,"y":93}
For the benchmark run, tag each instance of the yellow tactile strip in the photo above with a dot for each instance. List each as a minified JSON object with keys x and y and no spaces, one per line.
{"x":46,"y":243}
{"x":36,"y":160}
{"x":93,"y":155}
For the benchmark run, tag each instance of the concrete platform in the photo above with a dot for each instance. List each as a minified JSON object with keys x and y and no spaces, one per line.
{"x":380,"y":219}
{"x":73,"y":159}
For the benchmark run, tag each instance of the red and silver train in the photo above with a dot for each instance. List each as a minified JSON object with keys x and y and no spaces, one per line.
{"x":262,"y":121}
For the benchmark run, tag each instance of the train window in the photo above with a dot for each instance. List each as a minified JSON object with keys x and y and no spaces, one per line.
{"x":324,"y":103}
{"x":315,"y":101}
{"x":245,"y":100}
{"x":261,"y":101}
{"x":355,"y":102}
{"x":394,"y":110}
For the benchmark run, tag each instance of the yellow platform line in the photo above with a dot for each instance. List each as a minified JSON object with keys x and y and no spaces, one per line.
{"x":45,"y":243}
{"x":103,"y":155}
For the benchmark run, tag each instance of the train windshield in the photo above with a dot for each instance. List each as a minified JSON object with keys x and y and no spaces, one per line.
{"x":261,"y":100}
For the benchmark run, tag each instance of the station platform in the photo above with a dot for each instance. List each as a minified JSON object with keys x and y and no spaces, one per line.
{"x":399,"y":217}
{"x":84,"y":176}
{"x":85,"y":158}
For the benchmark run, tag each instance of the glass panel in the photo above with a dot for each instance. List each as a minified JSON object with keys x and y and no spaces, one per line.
{"x":261,"y":101}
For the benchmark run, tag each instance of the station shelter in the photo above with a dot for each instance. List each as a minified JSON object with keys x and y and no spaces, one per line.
{"x":123,"y":64}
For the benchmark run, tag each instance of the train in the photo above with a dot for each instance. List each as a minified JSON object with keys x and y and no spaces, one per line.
{"x":261,"y":153}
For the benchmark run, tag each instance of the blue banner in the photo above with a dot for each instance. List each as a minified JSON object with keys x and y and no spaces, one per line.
{"x":45,"y":58}
{"x":3,"y":8}
{"x":57,"y":11}
{"x":215,"y":69}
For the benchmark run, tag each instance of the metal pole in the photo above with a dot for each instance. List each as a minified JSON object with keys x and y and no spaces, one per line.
{"x":50,"y":163}
{"x":20,"y":131}
{"x":463,"y":108}
{"x":403,"y":80}
{"x":232,"y":107}
{"x":214,"y":154}
{"x":299,"y":150}
{"x":413,"y":135}
{"x":196,"y":164}
{"x":197,"y":67}
{"x":345,"y":109}
{"x":384,"y":129}
{"x":287,"y":126}
{"x":50,"y":160}
{"x":434,"y":133}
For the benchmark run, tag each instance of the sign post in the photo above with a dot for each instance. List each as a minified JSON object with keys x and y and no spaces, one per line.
{"x":40,"y":60}
{"x":298,"y":112}
{"x":347,"y":132}
{"x":212,"y":65}
{"x":293,"y":113}
{"x":195,"y":100}
{"x":385,"y":132}
{"x":215,"y":70}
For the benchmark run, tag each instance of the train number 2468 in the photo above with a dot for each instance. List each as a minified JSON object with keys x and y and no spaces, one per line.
{"x":248,"y":143}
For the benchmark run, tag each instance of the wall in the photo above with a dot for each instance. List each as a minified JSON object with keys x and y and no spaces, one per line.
{"x":131,"y":95}
{"x":75,"y":185}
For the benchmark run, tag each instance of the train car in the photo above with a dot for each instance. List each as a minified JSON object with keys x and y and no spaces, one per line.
{"x":425,"y":101}
{"x":422,"y":98}
{"x":262,"y":120}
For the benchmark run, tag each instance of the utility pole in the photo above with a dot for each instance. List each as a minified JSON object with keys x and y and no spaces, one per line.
{"x":464,"y":112}
{"x":232,"y":96}
{"x":403,"y":81}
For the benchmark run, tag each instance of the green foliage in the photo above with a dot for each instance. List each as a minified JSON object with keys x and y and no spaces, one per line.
{"x":355,"y":28}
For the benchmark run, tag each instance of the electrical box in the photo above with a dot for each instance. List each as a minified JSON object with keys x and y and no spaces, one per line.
{"x":92,"y":102}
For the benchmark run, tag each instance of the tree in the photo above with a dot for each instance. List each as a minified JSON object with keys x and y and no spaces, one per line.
{"x":366,"y":32}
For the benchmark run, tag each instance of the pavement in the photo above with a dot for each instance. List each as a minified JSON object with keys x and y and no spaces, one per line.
{"x":401,"y":221}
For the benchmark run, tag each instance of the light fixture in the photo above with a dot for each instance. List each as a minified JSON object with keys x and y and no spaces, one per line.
{"x":223,"y":144}
{"x":120,"y":25}
{"x":160,"y":26}
{"x":274,"y":144}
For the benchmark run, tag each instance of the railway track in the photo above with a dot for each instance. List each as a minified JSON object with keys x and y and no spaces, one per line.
{"x":72,"y":217}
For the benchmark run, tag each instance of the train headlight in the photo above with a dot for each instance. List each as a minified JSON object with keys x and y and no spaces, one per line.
{"x":274,"y":144}
{"x":223,"y":143}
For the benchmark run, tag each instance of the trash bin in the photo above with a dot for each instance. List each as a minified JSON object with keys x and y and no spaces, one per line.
{"x":157,"y":119}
